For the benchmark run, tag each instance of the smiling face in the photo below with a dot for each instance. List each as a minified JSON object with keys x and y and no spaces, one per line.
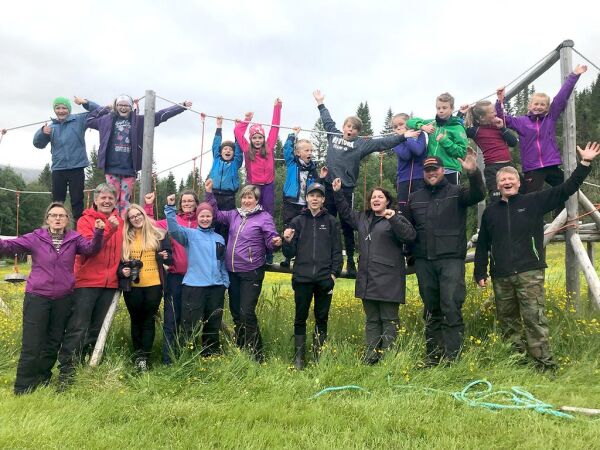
{"x":508,"y":184}
{"x":433,"y":175}
{"x":538,"y":104}
{"x":227,"y":153}
{"x":315,"y":201}
{"x":123,"y":108}
{"x":399,"y":125}
{"x":57,"y":219}
{"x":443,"y":109}
{"x":379,"y":202}
{"x":205,"y":219}
{"x":489,"y":115}
{"x":258,"y":140}
{"x":136,"y":218}
{"x":188,"y":203}
{"x":248,"y":201}
{"x":304,"y":151}
{"x":61,"y":112}
{"x":105,"y":203}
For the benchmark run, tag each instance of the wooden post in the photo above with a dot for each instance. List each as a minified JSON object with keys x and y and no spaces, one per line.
{"x":590,"y":253}
{"x":557,"y":223}
{"x":588,"y":269}
{"x":101,"y":342}
{"x":569,"y":165}
{"x":536,"y":72}
{"x":148,"y":145}
{"x":589,"y":206}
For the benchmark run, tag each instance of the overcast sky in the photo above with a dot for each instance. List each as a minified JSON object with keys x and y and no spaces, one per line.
{"x":229,"y":57}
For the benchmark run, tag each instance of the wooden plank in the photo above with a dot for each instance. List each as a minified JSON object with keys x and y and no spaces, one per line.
{"x":101,"y":342}
{"x":588,"y":269}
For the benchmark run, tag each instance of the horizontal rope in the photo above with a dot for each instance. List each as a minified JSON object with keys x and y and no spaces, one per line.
{"x":34,"y":192}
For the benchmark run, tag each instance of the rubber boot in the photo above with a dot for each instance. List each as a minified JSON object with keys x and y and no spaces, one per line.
{"x":300,"y":351}
{"x":350,"y":267}
{"x":319,"y":338}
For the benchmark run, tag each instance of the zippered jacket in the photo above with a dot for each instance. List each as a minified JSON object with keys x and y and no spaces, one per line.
{"x":411,"y":155}
{"x":513,"y":231}
{"x":224,"y":174}
{"x":537,"y":132}
{"x":292,"y":185}
{"x":316,"y":245}
{"x":249,"y":237}
{"x":99,"y":270}
{"x":51,"y":271}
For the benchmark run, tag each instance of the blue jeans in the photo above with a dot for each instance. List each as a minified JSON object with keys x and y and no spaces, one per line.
{"x":171,"y":316}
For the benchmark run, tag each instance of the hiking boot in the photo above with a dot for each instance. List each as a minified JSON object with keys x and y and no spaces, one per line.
{"x":300,"y":351}
{"x":350,"y":268}
{"x":141,"y":364}
{"x":285,"y":263}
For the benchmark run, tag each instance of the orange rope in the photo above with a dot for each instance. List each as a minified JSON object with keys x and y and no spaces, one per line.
{"x":569,"y":223}
{"x":194,"y":175}
{"x":381,"y":155}
{"x":155,"y":196}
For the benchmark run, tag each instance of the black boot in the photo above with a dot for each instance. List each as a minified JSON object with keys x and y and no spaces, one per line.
{"x":350,"y":267}
{"x":319,"y":337}
{"x":300,"y":351}
{"x":285,"y":263}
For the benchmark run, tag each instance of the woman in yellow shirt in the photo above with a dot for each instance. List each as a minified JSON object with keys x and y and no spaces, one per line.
{"x":146,"y":252}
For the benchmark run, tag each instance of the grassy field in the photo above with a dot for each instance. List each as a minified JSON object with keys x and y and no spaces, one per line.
{"x":232,"y":402}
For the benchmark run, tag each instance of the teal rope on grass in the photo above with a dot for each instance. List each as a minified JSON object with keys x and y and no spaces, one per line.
{"x":340,"y":388}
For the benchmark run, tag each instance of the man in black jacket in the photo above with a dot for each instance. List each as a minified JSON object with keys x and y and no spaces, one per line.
{"x":439,"y":215}
{"x":512,"y":231}
{"x":314,"y":239}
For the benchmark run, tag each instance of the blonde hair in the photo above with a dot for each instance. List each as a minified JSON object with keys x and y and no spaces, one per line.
{"x":476,"y":113}
{"x":356,"y":122}
{"x":151,"y":236}
{"x":302,"y":141}
{"x":446,"y":98}
{"x":402,"y":116}
{"x":542,"y":95}
{"x":507,"y":169}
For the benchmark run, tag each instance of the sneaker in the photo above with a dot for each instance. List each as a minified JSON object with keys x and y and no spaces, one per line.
{"x":285,"y":263}
{"x":141,"y":364}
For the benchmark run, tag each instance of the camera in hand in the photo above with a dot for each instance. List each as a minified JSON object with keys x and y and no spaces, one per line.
{"x":135,"y":265}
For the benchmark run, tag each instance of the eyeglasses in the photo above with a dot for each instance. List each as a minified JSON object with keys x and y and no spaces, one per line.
{"x":57,"y":216}
{"x":136,"y":216}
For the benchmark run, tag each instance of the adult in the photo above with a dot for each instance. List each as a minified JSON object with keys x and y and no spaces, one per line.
{"x":381,"y":277}
{"x":66,"y":135}
{"x":95,"y":282}
{"x":439,"y":215}
{"x":251,"y":235}
{"x":48,"y":293}
{"x":186,"y":217}
{"x":512,"y":231}
{"x":121,"y":135}
{"x":146,"y":249}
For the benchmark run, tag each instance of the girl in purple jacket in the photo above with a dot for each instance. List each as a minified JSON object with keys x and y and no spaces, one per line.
{"x":251,"y":234}
{"x":48,"y":298}
{"x":540,"y":156}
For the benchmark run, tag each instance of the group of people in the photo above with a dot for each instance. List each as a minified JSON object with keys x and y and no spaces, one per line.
{"x":203,"y":249}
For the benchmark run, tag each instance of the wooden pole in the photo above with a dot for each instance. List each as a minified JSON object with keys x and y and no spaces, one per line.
{"x":590,"y":254}
{"x":101,"y":342}
{"x":569,"y":165}
{"x":557,"y":223}
{"x":588,"y":269}
{"x":536,"y":72}
{"x":148,"y":145}
{"x":589,"y":206}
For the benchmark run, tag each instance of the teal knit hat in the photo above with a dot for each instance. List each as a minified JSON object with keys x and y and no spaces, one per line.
{"x":62,"y":101}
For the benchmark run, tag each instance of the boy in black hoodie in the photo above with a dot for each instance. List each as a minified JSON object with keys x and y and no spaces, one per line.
{"x":314,"y":239}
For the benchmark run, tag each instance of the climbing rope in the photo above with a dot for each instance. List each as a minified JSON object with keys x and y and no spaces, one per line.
{"x":202,"y":119}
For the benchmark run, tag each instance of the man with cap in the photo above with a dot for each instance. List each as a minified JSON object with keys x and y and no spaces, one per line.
{"x":439,"y":215}
{"x":313,"y":238}
{"x":512,"y":230}
{"x":66,"y":135}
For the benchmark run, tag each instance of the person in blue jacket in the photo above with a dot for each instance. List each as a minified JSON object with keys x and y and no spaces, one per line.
{"x":227,"y":161}
{"x":67,"y":145}
{"x":204,"y":283}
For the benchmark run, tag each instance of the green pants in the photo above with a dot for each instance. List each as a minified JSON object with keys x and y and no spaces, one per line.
{"x":520,"y":305}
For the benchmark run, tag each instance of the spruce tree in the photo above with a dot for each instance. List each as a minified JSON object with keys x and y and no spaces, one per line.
{"x":319,"y":140}
{"x":45,"y":178}
{"x":93,"y":175}
{"x":363,"y":114}
{"x":387,"y":123}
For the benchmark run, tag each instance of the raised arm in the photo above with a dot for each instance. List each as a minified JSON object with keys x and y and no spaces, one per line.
{"x":385,"y":143}
{"x":176,"y":231}
{"x":93,"y":246}
{"x":93,"y":118}
{"x":42,"y":136}
{"x":21,"y":244}
{"x":216,"y":145}
{"x":403,"y":230}
{"x":165,"y":114}
{"x":288,"y":149}
{"x":274,"y":130}
{"x":559,"y":103}
{"x":344,"y":209}
{"x":475,"y":192}
{"x":220,"y":216}
{"x":240,"y":131}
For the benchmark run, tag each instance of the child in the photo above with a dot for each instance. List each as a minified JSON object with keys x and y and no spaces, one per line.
{"x":121,"y":136}
{"x":301,"y":172}
{"x":447,"y":136}
{"x":411,"y":155}
{"x":66,"y":135}
{"x":313,"y":238}
{"x":540,"y":156}
{"x":493,"y":138}
{"x":204,"y":284}
{"x":259,"y":155}
{"x":345,"y":150}
{"x":227,"y":160}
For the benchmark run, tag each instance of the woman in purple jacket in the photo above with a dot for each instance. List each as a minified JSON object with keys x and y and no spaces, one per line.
{"x":48,"y":292}
{"x":251,"y":234}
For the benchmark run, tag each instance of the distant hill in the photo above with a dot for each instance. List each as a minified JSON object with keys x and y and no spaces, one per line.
{"x":28,"y":175}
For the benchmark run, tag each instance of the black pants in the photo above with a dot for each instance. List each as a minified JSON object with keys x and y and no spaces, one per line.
{"x":171,"y":316}
{"x":381,"y":326}
{"x":44,"y":322}
{"x":75,"y":180}
{"x":303,"y":294}
{"x":90,"y":306}
{"x":535,"y":179}
{"x":489,"y":174}
{"x":225,"y":202}
{"x":442,"y":289}
{"x":289,"y":211}
{"x":244,"y":291}
{"x":347,"y":230}
{"x":142,"y":304}
{"x":405,"y":188}
{"x":202,"y":310}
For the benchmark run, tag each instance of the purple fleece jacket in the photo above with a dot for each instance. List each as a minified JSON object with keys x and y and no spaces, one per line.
{"x":411,"y":154}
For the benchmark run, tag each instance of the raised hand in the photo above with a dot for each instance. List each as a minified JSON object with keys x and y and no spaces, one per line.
{"x":464,"y":109}
{"x":498,"y":122}
{"x":318,"y":97}
{"x":412,"y":134}
{"x":501,"y":93}
{"x":149,"y":198}
{"x":389,"y":213}
{"x":187,"y":104}
{"x":590,"y":151}
{"x":297,"y":130}
{"x":579,"y":69}
{"x":288,"y":234}
{"x":248,"y":116}
{"x":220,"y":122}
{"x":323,"y":172}
{"x":208,"y":185}
{"x":99,"y":224}
{"x":482,"y":283}
{"x":336,"y":184}
{"x":79,"y":100}
{"x":470,"y":161}
{"x":163,"y":254}
{"x":278,"y":102}
{"x":276,"y":241}
{"x":171,"y":200}
{"x":114,"y":222}
{"x":429,"y":128}
{"x":46,"y":129}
